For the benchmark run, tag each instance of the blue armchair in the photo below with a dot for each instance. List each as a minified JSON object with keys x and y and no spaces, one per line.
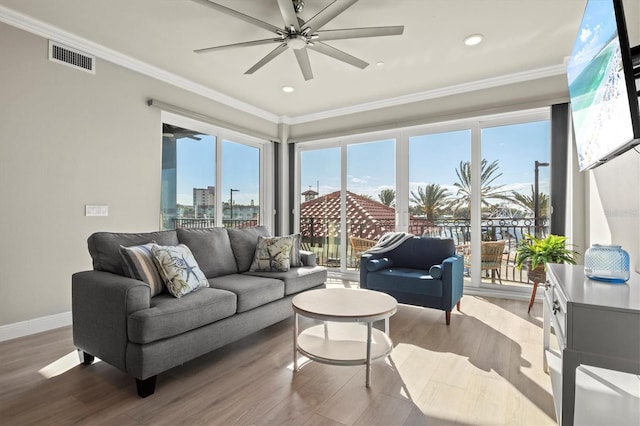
{"x":421,"y":271}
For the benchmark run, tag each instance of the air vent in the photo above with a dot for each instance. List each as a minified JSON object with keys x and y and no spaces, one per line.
{"x":74,"y":58}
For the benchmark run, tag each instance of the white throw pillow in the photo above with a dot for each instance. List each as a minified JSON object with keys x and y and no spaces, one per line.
{"x":179,"y":268}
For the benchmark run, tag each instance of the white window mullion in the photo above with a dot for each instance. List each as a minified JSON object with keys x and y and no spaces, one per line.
{"x":402,"y":182}
{"x":476,"y":202}
{"x":219,"y":212}
{"x":343,"y":206}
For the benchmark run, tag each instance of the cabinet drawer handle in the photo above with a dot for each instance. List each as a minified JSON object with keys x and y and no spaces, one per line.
{"x":556,"y":307}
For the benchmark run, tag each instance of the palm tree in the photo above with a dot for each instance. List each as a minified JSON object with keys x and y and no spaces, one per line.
{"x":528,"y":202}
{"x":431,"y":199}
{"x":387,"y":196}
{"x":488,"y":193}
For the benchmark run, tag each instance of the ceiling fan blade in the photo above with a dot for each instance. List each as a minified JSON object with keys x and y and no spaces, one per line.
{"x":239,"y":15}
{"x":262,"y":62}
{"x":359,"y":33}
{"x":289,"y":16}
{"x":243,"y":44}
{"x":328,"y":13}
{"x":338,"y":54}
{"x":305,"y":66}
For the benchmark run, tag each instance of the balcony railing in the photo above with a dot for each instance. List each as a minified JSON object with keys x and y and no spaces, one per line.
{"x":186,"y":222}
{"x":323,"y":237}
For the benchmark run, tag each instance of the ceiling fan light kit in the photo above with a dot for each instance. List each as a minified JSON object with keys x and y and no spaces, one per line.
{"x":300,"y":35}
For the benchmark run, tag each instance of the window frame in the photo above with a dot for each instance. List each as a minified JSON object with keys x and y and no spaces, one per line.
{"x":265,"y":148}
{"x":402,"y":137}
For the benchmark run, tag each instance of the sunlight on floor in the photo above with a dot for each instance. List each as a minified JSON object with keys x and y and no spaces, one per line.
{"x":61,"y":365}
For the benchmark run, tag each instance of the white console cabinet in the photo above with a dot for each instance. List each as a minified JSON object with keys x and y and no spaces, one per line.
{"x":595,"y":372}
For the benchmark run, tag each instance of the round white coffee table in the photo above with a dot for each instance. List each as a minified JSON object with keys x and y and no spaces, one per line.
{"x":347,"y":336}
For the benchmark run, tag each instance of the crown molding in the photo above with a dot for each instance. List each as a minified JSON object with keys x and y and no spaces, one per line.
{"x":432,"y":94}
{"x":47,"y":31}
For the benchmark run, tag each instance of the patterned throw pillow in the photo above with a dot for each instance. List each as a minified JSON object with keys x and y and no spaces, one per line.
{"x":181,"y":272}
{"x":273,"y":254}
{"x":139,"y":264}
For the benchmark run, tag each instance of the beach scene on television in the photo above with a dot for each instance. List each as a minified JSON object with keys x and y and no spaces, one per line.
{"x":599,"y":100}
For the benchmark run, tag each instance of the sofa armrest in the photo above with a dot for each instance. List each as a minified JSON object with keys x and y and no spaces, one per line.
{"x":453,"y":280}
{"x":308,"y":258}
{"x":364,"y":259}
{"x":101,"y":302}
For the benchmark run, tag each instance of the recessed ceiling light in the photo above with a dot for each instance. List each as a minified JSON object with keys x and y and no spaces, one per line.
{"x":473,"y":39}
{"x":288,"y":89}
{"x":380,"y":63}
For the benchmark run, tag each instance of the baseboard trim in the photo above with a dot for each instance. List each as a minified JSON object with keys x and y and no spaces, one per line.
{"x":37,"y":325}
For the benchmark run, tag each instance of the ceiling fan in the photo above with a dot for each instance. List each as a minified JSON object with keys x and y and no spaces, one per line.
{"x":301,"y":35}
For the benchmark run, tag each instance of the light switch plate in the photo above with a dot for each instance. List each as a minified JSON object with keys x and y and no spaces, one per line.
{"x":96,"y":210}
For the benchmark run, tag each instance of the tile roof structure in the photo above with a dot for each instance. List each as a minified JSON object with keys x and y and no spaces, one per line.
{"x":367,"y":218}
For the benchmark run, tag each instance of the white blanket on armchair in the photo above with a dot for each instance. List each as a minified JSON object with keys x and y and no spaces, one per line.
{"x":389,"y":241}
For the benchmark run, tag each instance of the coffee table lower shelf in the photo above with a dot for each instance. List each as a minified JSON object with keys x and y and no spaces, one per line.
{"x":342,"y":343}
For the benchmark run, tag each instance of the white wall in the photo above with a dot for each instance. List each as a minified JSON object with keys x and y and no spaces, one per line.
{"x":614,"y":205}
{"x":69,"y":138}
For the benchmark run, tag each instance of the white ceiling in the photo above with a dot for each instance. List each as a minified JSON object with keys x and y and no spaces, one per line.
{"x":521,"y":36}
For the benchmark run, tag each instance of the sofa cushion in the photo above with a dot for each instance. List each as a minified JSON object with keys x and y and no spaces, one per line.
{"x":406,"y":280}
{"x":104,"y":247}
{"x":168,"y":316}
{"x":180,"y":271}
{"x":244,"y":242}
{"x":212,"y":249}
{"x":297,"y":279}
{"x":140,"y":264}
{"x":273,"y":254}
{"x":250,"y":291}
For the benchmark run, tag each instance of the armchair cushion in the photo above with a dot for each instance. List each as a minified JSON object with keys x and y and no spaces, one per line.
{"x":378,"y":264}
{"x":405,"y":280}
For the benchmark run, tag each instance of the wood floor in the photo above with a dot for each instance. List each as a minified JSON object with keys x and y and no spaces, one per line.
{"x":485,"y":368}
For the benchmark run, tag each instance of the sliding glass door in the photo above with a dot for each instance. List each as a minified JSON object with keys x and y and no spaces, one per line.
{"x":515,"y":191}
{"x":482,"y":182}
{"x":319,"y":209}
{"x":347,"y":199}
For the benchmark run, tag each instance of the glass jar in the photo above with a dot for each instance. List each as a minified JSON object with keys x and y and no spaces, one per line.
{"x":607,"y":263}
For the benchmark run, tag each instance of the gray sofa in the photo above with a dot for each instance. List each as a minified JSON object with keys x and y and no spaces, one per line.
{"x":116,"y":319}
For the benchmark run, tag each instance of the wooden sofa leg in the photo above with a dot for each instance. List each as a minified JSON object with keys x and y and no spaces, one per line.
{"x":447,"y":315}
{"x":458,"y":305}
{"x":146,"y":387}
{"x":85,"y":358}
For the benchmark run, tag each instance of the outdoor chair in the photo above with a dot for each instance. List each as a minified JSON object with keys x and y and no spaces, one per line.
{"x":358,"y":247}
{"x":490,"y":256}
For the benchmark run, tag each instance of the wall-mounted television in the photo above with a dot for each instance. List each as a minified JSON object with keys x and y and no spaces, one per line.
{"x":603,"y":93}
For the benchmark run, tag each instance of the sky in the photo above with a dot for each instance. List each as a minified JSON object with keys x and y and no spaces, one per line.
{"x":433,"y":159}
{"x":197,"y":169}
{"x":371,"y":166}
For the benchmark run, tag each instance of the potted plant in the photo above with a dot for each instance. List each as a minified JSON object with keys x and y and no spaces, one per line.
{"x":536,"y":252}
